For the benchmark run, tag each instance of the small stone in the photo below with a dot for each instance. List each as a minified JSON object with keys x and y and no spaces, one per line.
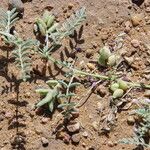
{"x":129,"y":60}
{"x":8,"y":115}
{"x":76,"y":138}
{"x":85,"y":134}
{"x":70,"y":5}
{"x":75,"y":127}
{"x":95,"y":125}
{"x":130,"y":120}
{"x":110,"y":144}
{"x":44,"y":120}
{"x":101,"y":90}
{"x":91,"y":66}
{"x":89,"y":53}
{"x":147,"y":93}
{"x":148,"y":10}
{"x":100,"y":106}
{"x":135,"y":43}
{"x":136,"y":19}
{"x":70,"y":60}
{"x":44,"y":141}
{"x":66,"y":138}
{"x":18,"y":4}
{"x":128,"y":26}
{"x":38,"y":129}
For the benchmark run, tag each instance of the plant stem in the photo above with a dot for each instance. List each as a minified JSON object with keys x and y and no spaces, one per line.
{"x":76,"y":71}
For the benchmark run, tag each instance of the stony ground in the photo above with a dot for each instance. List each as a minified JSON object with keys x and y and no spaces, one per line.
{"x":125,"y":27}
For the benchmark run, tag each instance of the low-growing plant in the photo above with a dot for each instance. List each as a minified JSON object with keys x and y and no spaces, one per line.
{"x":142,"y":128}
{"x":21,"y":47}
{"x":58,"y":90}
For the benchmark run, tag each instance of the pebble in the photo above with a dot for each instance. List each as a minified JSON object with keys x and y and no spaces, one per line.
{"x":147,"y":93}
{"x":70,"y":5}
{"x":8,"y":115}
{"x":66,"y":138}
{"x":76,"y":138}
{"x":44,"y":120}
{"x":38,"y":129}
{"x":16,"y":4}
{"x":128,"y":26}
{"x":91,"y":66}
{"x":95,"y":125}
{"x":136,"y":19}
{"x":44,"y":141}
{"x":85,"y":134}
{"x":74,"y":127}
{"x":101,"y":90}
{"x":110,"y":144}
{"x":100,"y":106}
{"x":89,"y":53}
{"x":129,"y":60}
{"x":135,"y":43}
{"x":130,"y":120}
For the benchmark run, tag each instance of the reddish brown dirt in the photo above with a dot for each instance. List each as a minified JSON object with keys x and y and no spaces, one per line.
{"x":105,"y":20}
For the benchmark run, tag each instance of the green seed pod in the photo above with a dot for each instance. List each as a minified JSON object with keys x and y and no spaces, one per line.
{"x":50,"y":21}
{"x":42,"y":29}
{"x":101,"y":61}
{"x":53,"y":28}
{"x":105,"y":53}
{"x":118,"y":93}
{"x":123,"y":85}
{"x":114,"y":87}
{"x":40,"y":21}
{"x":46,"y":16}
{"x":111,"y":60}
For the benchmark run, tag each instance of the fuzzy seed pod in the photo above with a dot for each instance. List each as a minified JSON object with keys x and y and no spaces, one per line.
{"x":50,"y":21}
{"x":114,"y":87}
{"x":123,"y":85}
{"x":118,"y":93}
{"x":111,"y":60}
{"x":46,"y":16}
{"x":53,"y":28}
{"x":42,"y":29}
{"x":40,"y":21}
{"x":105,"y":53}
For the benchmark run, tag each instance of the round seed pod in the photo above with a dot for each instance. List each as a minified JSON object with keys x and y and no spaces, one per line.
{"x":114,"y":87}
{"x":123,"y":85}
{"x":105,"y":53}
{"x":118,"y":93}
{"x":111,"y":60}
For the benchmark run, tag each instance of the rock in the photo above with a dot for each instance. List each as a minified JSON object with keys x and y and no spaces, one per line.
{"x":76,"y":138}
{"x":129,"y":60}
{"x":44,"y":120}
{"x":8,"y":115}
{"x":16,"y":4}
{"x":147,"y":93}
{"x":100,"y":106}
{"x":128,"y":26}
{"x":75,"y":127}
{"x":130,"y":120}
{"x":101,"y":90}
{"x":95,"y":125}
{"x":89,"y":53}
{"x":66,"y":138}
{"x":85,"y":134}
{"x":148,"y":10}
{"x":135,"y":43}
{"x":38,"y":129}
{"x":91,"y":66}
{"x":110,"y":143}
{"x":136,"y":19}
{"x":70,"y":5}
{"x":44,"y":141}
